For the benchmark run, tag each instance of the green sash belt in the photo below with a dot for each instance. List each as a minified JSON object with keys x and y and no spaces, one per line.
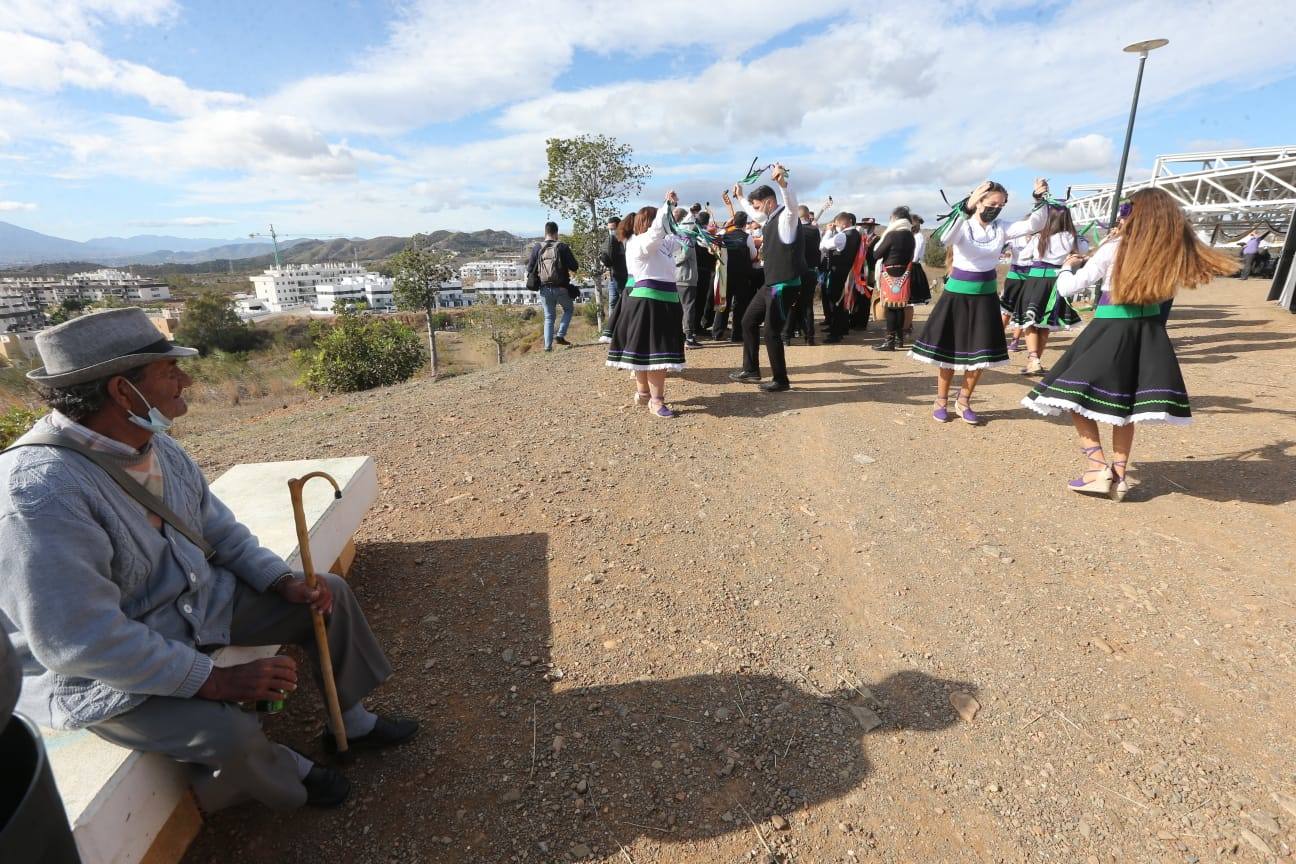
{"x":642,"y":293}
{"x":1014,"y":276}
{"x":961,"y":286}
{"x":1043,"y":272}
{"x":1128,"y":310}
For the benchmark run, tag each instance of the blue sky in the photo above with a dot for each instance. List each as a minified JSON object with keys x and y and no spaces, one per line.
{"x":358,"y":118}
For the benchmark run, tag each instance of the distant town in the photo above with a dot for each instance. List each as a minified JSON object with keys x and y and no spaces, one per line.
{"x":29,"y":304}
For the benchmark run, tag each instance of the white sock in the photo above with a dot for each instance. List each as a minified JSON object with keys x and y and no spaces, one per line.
{"x":358,"y":721}
{"x":304,"y":765}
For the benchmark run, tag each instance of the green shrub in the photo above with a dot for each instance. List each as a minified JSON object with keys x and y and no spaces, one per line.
{"x":360,"y":354}
{"x":934,"y":254}
{"x":13,"y":423}
{"x":589,"y":311}
{"x":209,"y":323}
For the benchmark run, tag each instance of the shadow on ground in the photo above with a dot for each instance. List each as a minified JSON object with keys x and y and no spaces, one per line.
{"x":510,"y":758}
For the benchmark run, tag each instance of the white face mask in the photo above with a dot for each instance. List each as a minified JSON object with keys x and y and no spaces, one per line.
{"x":157,"y":422}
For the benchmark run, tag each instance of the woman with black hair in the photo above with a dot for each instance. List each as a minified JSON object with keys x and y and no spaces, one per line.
{"x":964,"y":332}
{"x":895,"y":257}
{"x":1038,"y":309}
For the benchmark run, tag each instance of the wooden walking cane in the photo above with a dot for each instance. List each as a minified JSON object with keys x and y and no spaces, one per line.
{"x":321,"y":633}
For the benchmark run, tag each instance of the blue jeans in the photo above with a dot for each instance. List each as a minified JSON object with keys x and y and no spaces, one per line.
{"x":550,"y":297}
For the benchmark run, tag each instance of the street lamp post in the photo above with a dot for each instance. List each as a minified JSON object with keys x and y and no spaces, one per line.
{"x":1142,"y":49}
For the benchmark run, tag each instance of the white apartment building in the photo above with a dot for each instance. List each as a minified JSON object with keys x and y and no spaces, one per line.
{"x":515,"y":293}
{"x":17,"y":311}
{"x":492,"y":271}
{"x":89,"y":287}
{"x":374,"y":289}
{"x":294,"y":286}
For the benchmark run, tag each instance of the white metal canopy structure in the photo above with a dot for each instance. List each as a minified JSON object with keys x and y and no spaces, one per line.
{"x":1225,"y":192}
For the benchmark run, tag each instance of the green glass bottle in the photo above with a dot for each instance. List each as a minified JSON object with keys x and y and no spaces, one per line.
{"x":271,"y":706}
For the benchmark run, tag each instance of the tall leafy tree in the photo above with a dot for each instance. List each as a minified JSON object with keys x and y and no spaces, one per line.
{"x":418,"y":275}
{"x":589,"y":177}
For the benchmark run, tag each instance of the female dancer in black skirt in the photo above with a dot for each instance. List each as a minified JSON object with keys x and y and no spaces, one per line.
{"x":1122,"y":369}
{"x":648,"y":338}
{"x":1013,"y":280}
{"x":1038,"y":310}
{"x":964,"y":332}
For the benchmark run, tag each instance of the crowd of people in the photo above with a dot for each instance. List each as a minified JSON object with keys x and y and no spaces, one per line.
{"x":679,"y":276}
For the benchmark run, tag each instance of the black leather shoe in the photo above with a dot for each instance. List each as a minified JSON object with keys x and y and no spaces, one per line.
{"x":775,"y":386}
{"x":887,"y":344}
{"x":744,"y":377}
{"x":387,"y":732}
{"x":561,"y":341}
{"x":326,"y":787}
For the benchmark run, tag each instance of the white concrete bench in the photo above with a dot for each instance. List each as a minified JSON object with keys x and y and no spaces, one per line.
{"x":127,"y":807}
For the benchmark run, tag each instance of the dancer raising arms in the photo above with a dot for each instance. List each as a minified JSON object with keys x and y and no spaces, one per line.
{"x":1038,"y":309}
{"x":1122,"y":369}
{"x":964,"y":332}
{"x":783,"y":255}
{"x":648,"y":338}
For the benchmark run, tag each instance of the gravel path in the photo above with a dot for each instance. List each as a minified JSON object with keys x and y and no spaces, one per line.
{"x":812,"y":626}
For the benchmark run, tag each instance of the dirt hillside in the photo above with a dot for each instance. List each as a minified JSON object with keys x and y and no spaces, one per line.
{"x":746,"y":634}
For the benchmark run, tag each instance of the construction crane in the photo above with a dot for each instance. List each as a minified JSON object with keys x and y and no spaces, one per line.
{"x":274,"y":239}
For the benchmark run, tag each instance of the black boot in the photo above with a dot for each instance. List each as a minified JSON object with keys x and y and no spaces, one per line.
{"x":887,"y":344}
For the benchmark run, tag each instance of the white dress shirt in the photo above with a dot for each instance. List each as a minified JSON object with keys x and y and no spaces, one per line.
{"x":920,"y":246}
{"x":1094,"y":271}
{"x":788,"y":221}
{"x":977,"y":247}
{"x":651,"y":255}
{"x":1059,"y":247}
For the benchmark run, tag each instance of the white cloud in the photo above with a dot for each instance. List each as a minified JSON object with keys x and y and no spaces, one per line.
{"x":445,"y":58}
{"x":1077,"y":155}
{"x":951,"y":92}
{"x":79,"y":19}
{"x":183,"y":222}
{"x":33,"y":63}
{"x":14,"y":206}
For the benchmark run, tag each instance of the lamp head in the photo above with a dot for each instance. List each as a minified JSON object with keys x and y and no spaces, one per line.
{"x":1142,"y":48}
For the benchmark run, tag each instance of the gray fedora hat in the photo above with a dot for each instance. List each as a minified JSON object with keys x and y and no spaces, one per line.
{"x":99,"y":345}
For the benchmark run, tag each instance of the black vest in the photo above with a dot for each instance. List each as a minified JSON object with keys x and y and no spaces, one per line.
{"x":810,"y":238}
{"x":783,"y":261}
{"x":840,"y":263}
{"x":739,"y":257}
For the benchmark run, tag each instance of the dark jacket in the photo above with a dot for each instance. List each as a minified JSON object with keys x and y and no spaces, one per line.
{"x":613,"y":257}
{"x":567,"y":263}
{"x":895,"y":251}
{"x":810,"y":238}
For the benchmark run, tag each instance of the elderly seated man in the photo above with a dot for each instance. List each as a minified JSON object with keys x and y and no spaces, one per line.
{"x":114,"y":609}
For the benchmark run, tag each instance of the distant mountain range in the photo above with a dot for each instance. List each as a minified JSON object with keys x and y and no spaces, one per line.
{"x":20,"y":246}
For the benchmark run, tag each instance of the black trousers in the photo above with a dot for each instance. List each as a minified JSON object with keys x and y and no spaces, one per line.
{"x":895,"y":320}
{"x":770,"y":311}
{"x":737,"y":297}
{"x":838,"y":319}
{"x":801,"y":314}
{"x":704,"y":309}
{"x":688,"y":302}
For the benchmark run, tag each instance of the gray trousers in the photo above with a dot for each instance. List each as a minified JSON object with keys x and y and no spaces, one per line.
{"x":690,"y":308}
{"x":220,"y":736}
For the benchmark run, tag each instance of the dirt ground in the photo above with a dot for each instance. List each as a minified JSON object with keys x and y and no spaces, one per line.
{"x":742,"y":635}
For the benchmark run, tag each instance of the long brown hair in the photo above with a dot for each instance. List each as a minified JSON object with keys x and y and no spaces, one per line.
{"x":644,"y":219}
{"x":625,"y":228}
{"x":1160,"y":253}
{"x":1059,"y":222}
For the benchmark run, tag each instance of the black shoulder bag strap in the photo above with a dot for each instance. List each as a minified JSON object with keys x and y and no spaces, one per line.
{"x":132,"y":488}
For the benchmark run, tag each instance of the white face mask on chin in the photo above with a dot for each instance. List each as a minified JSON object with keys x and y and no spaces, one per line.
{"x":157,"y":422}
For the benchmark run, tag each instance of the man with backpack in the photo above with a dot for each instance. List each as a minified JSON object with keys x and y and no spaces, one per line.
{"x":549,"y":271}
